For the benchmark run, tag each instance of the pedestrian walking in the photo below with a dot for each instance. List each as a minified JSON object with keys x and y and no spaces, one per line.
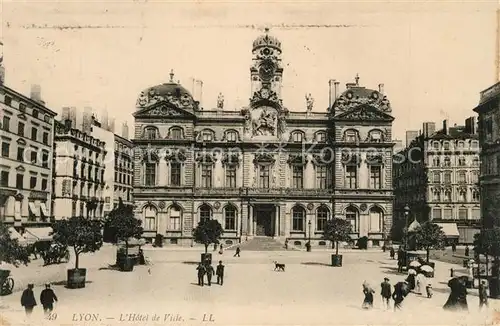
{"x":220,"y":273}
{"x":201,"y":274}
{"x":467,"y":251}
{"x":420,"y":283}
{"x":215,"y":246}
{"x":220,"y":249}
{"x":368,"y":292}
{"x":210,"y":272}
{"x":400,"y":292}
{"x":483,"y":294}
{"x":47,"y":299}
{"x":453,"y":247}
{"x":286,"y":244}
{"x":428,"y":287}
{"x":392,"y":252}
{"x":385,"y":292}
{"x":458,"y":295}
{"x":237,"y":254}
{"x":28,"y":300}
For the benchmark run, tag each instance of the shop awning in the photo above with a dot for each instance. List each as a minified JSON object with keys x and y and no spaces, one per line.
{"x":38,"y":234}
{"x":449,"y":229}
{"x":33,"y":209}
{"x":44,"y":210}
{"x":16,"y":235}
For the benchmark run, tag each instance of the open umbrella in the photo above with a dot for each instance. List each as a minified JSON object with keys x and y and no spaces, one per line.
{"x":427,"y":269}
{"x":411,"y":271}
{"x":415,"y":264}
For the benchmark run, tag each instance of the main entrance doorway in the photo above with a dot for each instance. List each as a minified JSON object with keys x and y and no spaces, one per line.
{"x":264,"y":219}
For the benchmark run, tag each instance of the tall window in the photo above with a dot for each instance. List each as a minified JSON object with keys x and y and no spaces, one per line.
{"x":350,"y":136}
{"x":298,"y":216}
{"x":207,"y":136}
{"x":20,"y":154}
{"x":176,"y":133}
{"x":351,"y":176}
{"x":437,"y":177}
{"x":375,"y":177}
{"x":475,"y":177}
{"x":447,"y":177}
{"x":175,"y":218}
{"x":475,"y":195}
{"x":462,"y":177}
{"x":376,"y":219}
{"x":437,"y":213}
{"x":462,"y":213}
{"x":5,"y":149}
{"x":19,"y":181}
{"x":298,"y":176}
{"x":436,"y":195}
{"x":4,"y":179}
{"x":447,"y":161}
{"x":206,"y":175}
{"x":34,"y":132}
{"x":447,"y":195}
{"x":6,"y":123}
{"x":149,"y":218}
{"x":351,"y":215}
{"x":20,"y":129}
{"x":322,"y":214}
{"x":150,"y":133}
{"x":323,"y":177}
{"x":231,"y":176}
{"x":436,"y":161}
{"x":264,"y":176}
{"x":463,"y":195}
{"x":150,"y":174}
{"x":175,"y":173}
{"x":231,"y":136}
{"x":461,"y":161}
{"x":205,"y":213}
{"x":297,"y":137}
{"x":475,"y":161}
{"x":230,"y":218}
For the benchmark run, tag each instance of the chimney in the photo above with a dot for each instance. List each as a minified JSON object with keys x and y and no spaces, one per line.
{"x":112,"y":125}
{"x":104,"y":118}
{"x":125,"y":130}
{"x":66,"y":113}
{"x":36,"y":93}
{"x":428,"y":129}
{"x":73,"y":116}
{"x":410,"y":136}
{"x":191,"y":85}
{"x":350,"y":85}
{"x":331,"y":92}
{"x":471,"y":125}
{"x":87,"y":119}
{"x":381,"y":88}
{"x":198,"y":91}
{"x":445,"y":127}
{"x":337,"y":89}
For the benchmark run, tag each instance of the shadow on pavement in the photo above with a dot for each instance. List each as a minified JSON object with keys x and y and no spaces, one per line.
{"x":391,"y":270}
{"x":191,"y":262}
{"x":63,"y":283}
{"x":312,"y":263}
{"x":109,"y":268}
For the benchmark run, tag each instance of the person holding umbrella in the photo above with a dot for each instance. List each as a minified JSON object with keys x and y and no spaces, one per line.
{"x":368,"y":292}
{"x":457,"y":299}
{"x":427,"y":270}
{"x":401,"y":290}
{"x":411,"y":279}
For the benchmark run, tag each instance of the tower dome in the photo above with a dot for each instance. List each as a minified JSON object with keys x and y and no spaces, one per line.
{"x":266,"y":40}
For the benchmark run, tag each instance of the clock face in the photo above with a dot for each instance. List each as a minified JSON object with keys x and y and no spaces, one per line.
{"x":266,"y":70}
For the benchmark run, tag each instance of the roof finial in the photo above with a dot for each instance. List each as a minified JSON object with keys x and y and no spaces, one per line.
{"x":171,"y":75}
{"x":266,"y":30}
{"x":357,"y":79}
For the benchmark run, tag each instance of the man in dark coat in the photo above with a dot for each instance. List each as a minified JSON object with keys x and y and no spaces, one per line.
{"x":201,"y":274}
{"x":385,"y":292}
{"x":28,"y":300}
{"x":47,"y":299}
{"x":401,"y":290}
{"x":458,"y":296}
{"x":467,"y":251}
{"x":237,"y":252}
{"x":220,"y":273}
{"x":392,"y":253}
{"x":210,"y":273}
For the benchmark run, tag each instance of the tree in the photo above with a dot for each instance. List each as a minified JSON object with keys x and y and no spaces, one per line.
{"x":11,"y":252}
{"x":336,"y":230}
{"x":123,"y":224}
{"x":487,"y":243}
{"x":80,"y":233}
{"x":430,"y":236}
{"x":208,"y":232}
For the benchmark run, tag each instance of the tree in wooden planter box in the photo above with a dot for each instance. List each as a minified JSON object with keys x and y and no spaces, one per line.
{"x":430,"y":236}
{"x":11,"y":252}
{"x":336,"y":230}
{"x":123,"y":224}
{"x":80,"y":233}
{"x":208,"y":232}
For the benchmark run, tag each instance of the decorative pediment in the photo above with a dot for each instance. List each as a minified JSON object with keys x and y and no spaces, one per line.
{"x":297,"y":159}
{"x":20,"y":168}
{"x":264,"y":158}
{"x":230,"y":159}
{"x":178,"y":99}
{"x":163,"y":110}
{"x":323,"y":158}
{"x":205,"y":158}
{"x":374,"y":158}
{"x":21,"y":141}
{"x":364,"y":112}
{"x":351,"y":158}
{"x":21,"y":116}
{"x":350,"y":100}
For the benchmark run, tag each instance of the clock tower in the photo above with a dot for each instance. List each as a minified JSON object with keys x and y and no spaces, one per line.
{"x":266,"y":70}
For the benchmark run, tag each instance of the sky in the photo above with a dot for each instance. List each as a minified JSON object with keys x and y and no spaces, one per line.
{"x":433,"y":57}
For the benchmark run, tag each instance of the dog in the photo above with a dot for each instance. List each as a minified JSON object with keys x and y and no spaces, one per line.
{"x":279,"y":267}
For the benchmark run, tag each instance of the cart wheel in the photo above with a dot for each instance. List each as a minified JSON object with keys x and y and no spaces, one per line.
{"x":8,"y":286}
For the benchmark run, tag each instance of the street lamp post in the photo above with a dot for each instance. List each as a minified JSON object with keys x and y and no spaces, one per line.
{"x":309,"y":224}
{"x":407,"y":214}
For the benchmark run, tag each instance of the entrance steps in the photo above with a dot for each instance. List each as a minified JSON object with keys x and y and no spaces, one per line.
{"x":261,"y":244}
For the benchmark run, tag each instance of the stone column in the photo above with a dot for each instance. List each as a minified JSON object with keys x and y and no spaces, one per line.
{"x":282,"y":213}
{"x":243,"y":216}
{"x":250,"y":219}
{"x":276,"y":221}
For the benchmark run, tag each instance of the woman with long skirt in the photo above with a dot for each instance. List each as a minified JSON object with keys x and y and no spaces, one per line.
{"x":368,"y":292}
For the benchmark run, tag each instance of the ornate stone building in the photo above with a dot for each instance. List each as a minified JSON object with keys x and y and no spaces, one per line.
{"x":264,"y":169}
{"x":437,"y":176}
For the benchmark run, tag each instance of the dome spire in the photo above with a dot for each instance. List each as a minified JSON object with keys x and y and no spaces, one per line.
{"x":171,"y":75}
{"x":357,"y":79}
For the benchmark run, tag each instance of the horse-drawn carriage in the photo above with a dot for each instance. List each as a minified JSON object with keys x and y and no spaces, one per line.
{"x":55,"y":254}
{"x":6,"y":282}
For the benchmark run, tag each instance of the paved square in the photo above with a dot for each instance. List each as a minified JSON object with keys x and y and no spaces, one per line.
{"x":309,"y":293}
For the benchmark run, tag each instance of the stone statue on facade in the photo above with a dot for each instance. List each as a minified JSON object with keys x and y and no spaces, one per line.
{"x":220,"y":101}
{"x":309,"y":102}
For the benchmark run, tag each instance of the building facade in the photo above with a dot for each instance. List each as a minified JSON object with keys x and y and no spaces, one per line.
{"x":264,"y":169}
{"x":78,"y":179}
{"x":26,"y":160}
{"x":437,"y":177}
{"x":489,"y":138}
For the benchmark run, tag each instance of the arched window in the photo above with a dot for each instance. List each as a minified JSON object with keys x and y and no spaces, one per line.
{"x":437,"y":177}
{"x":298,"y":217}
{"x":437,"y":195}
{"x":475,"y":195}
{"x":461,"y":161}
{"x":447,"y":177}
{"x":231,"y":136}
{"x":175,"y":218}
{"x":150,"y":133}
{"x":463,"y":195}
{"x":462,"y":177}
{"x":297,"y":136}
{"x":475,"y":161}
{"x":205,"y":213}
{"x":149,"y":213}
{"x":375,"y":136}
{"x":475,"y":177}
{"x":447,"y":161}
{"x":320,"y":136}
{"x":350,"y":136}
{"x":447,"y":195}
{"x":351,"y":215}
{"x":376,"y":219}
{"x":436,"y":161}
{"x":230,"y":217}
{"x":322,"y":215}
{"x":176,"y":133}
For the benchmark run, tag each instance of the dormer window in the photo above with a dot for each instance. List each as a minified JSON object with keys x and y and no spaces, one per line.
{"x":176,"y":133}
{"x":35,"y":114}
{"x":22,"y":107}
{"x":297,"y":137}
{"x":231,"y":136}
{"x":150,"y":133}
{"x":435,"y":145}
{"x":321,"y":137}
{"x":351,"y":136}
